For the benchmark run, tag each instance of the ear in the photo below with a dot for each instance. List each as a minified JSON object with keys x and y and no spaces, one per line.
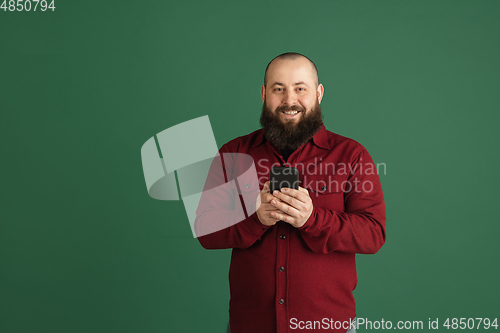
{"x":263,"y":93}
{"x":319,"y":92}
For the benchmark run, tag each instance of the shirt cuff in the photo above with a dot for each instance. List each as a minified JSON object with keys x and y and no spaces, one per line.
{"x":253,"y":225}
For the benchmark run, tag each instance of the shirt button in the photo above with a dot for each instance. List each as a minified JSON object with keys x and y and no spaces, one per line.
{"x":323,"y":188}
{"x":247,"y":185}
{"x":282,"y":236}
{"x":281,"y":301}
{"x":282,"y":269}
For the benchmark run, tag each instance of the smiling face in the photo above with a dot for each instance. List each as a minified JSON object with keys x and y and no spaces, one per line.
{"x":291,"y":113}
{"x":291,"y":89}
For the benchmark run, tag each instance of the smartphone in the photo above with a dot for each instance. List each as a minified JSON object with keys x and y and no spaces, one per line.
{"x":284,"y":177}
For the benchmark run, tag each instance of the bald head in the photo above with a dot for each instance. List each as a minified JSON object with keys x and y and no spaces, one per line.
{"x":292,"y":56}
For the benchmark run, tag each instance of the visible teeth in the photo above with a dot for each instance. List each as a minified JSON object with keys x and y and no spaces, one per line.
{"x":291,"y":112}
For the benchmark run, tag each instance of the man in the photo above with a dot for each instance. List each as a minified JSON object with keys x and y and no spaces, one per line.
{"x":293,"y":259}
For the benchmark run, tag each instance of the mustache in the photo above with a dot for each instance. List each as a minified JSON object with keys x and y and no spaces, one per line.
{"x":290,"y":108}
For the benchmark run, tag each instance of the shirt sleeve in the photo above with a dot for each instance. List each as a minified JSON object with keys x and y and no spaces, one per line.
{"x":360,"y":228}
{"x":221,"y":222}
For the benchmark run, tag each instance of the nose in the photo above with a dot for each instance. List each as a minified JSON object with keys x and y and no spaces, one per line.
{"x":289,"y":98}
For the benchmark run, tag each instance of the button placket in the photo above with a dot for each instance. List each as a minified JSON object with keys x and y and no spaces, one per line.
{"x":281,"y":274}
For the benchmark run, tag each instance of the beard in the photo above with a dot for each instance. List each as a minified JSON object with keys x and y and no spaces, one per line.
{"x":291,"y":134}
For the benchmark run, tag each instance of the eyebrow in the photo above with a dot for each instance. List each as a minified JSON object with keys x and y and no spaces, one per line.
{"x":295,"y":84}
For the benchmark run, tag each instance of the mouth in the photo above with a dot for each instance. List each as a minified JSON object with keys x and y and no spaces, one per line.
{"x":290,"y":113}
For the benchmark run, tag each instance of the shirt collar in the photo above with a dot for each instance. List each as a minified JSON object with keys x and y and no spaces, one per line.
{"x":259,"y":139}
{"x":320,"y":139}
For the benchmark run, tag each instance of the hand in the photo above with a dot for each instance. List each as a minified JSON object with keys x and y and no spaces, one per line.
{"x":295,"y":206}
{"x":264,"y":207}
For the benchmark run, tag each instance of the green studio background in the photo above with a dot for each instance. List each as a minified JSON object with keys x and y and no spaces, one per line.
{"x":83,"y":248}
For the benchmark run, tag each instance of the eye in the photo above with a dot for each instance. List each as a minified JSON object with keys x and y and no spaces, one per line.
{"x":279,"y":89}
{"x":301,"y":89}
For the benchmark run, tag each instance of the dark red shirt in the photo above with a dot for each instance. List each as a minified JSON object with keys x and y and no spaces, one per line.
{"x":281,"y":276}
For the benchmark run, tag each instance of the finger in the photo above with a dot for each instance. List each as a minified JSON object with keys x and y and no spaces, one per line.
{"x":267,"y":197}
{"x":304,"y":190}
{"x":286,"y":208}
{"x":289,"y":199}
{"x":267,"y":207}
{"x":266,"y":187}
{"x":269,"y":214}
{"x":273,"y":220}
{"x":299,"y":195}
{"x":282,"y":217}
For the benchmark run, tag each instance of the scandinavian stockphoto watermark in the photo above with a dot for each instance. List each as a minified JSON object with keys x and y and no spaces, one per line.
{"x":220,"y":190}
{"x":318,"y":167}
{"x":338,"y":177}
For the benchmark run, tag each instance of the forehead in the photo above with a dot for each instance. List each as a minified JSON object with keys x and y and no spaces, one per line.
{"x":290,"y":71}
